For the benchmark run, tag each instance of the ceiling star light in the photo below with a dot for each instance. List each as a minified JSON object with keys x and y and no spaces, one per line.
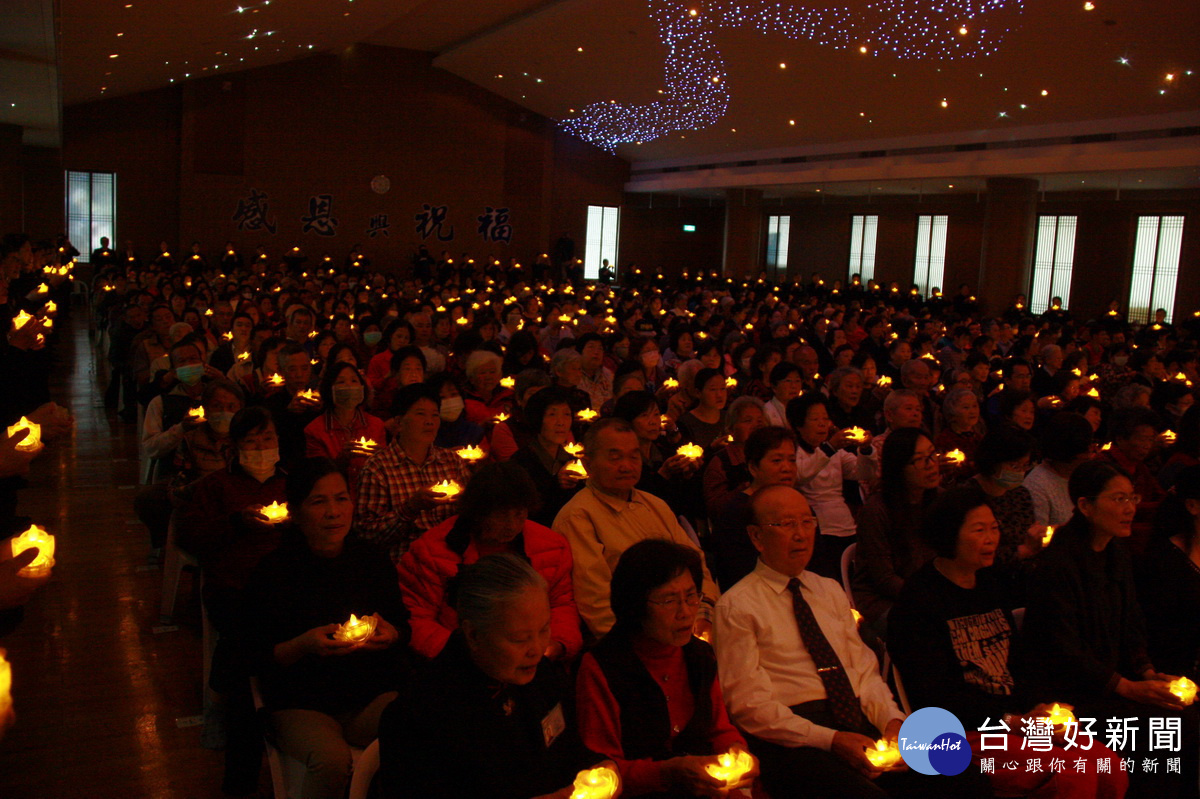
{"x":697,"y":90}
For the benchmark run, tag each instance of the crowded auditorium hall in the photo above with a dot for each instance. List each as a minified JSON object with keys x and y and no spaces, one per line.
{"x":582,"y":399}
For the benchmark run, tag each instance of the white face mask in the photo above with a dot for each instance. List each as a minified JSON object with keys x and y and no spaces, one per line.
{"x":451,"y":408}
{"x":219,"y":421}
{"x":259,"y":463}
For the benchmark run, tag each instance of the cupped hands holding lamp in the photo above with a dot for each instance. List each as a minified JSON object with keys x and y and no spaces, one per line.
{"x":324,"y":689}
{"x":677,"y":739}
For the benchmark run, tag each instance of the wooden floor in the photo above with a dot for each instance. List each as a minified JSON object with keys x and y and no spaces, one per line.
{"x":107,"y":706}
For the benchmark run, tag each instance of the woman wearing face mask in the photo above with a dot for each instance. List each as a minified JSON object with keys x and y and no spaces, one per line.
{"x":1003,"y":459}
{"x":454,"y":431}
{"x":493,"y":518}
{"x":544,"y":457}
{"x":397,"y":335}
{"x":345,"y":421}
{"x":651,"y":361}
{"x":208,"y":448}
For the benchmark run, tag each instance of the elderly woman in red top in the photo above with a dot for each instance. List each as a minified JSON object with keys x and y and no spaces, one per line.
{"x":333,"y":434}
{"x":484,"y":395}
{"x":493,"y":519}
{"x":647,"y":695}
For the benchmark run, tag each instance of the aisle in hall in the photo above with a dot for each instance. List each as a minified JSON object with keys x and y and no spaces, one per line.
{"x":106,"y":706}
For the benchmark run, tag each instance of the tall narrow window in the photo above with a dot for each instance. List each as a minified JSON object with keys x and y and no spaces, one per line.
{"x":603,"y":222}
{"x":91,"y":210}
{"x":1155,"y":266}
{"x":1053,"y":259}
{"x":862,"y":246}
{"x":929,"y":265}
{"x":778,"y":230}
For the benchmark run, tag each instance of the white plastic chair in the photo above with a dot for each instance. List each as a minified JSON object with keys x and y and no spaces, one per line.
{"x":848,"y":570}
{"x":174,"y":561}
{"x":364,"y":771}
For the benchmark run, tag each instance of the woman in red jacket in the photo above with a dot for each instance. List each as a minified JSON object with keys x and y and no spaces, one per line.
{"x":493,"y":519}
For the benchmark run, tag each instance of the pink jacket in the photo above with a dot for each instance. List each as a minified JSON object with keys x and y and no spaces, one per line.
{"x":430,"y":563}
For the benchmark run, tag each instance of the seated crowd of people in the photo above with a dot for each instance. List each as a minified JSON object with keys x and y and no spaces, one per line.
{"x":646,"y":524}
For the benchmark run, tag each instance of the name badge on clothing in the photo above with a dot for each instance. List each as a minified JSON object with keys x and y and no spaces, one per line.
{"x":553,"y":725}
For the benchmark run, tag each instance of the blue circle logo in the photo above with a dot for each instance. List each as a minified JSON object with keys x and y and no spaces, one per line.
{"x":933,"y":741}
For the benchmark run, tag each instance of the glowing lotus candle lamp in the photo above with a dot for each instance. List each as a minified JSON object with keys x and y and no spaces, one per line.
{"x":21,"y":319}
{"x":856,"y":435}
{"x":1168,"y":436}
{"x":507,"y":382}
{"x":35,"y":537}
{"x":1060,"y":716}
{"x":276,"y":512}
{"x":1093,"y":392}
{"x":731,"y":382}
{"x":242,"y":357}
{"x":196,"y":414}
{"x":275,"y":379}
{"x":596,"y":783}
{"x":32,"y":441}
{"x":586,"y":415}
{"x":884,"y":381}
{"x":227,"y":335}
{"x":310,"y":395}
{"x":691,"y":451}
{"x":1183,"y":688}
{"x":576,"y":468}
{"x":671,"y":383}
{"x":365,"y":445}
{"x":1047,"y":536}
{"x":573,"y":448}
{"x":955,"y":457}
{"x":470,"y":454}
{"x":5,"y":684}
{"x":357,"y":629}
{"x":43,"y":288}
{"x":884,"y":755}
{"x":1106,"y":447}
{"x":51,"y":307}
{"x":730,"y":767}
{"x":858,"y":617}
{"x":447,"y":489}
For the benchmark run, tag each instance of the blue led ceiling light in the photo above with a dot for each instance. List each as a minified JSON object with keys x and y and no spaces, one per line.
{"x":697,"y":91}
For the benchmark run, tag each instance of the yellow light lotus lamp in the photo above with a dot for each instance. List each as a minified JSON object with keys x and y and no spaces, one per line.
{"x":1047,"y":536}
{"x":508,"y":382}
{"x":955,"y":457}
{"x":858,"y":617}
{"x":227,"y":335}
{"x":884,"y":755}
{"x":51,"y":307}
{"x":671,"y":383}
{"x":596,"y":783}
{"x":573,"y":448}
{"x":276,"y":512}
{"x":1183,"y":688}
{"x":502,"y":417}
{"x":208,"y":311}
{"x":470,"y":454}
{"x":691,"y":451}
{"x":1106,"y":447}
{"x":309,"y":395}
{"x":1093,"y":392}
{"x":576,"y":468}
{"x":21,"y":319}
{"x":462,"y":320}
{"x":447,"y":489}
{"x":730,"y":767}
{"x":242,"y":357}
{"x":43,"y":288}
{"x":196,"y":414}
{"x":32,"y":441}
{"x":856,"y":435}
{"x":1077,"y":372}
{"x":1168,"y":436}
{"x":357,"y":629}
{"x":1060,"y":716}
{"x":731,"y":382}
{"x":705,"y":636}
{"x":365,"y":445}
{"x":586,"y":415}
{"x":5,"y":684}
{"x":884,"y":381}
{"x":37,"y":537}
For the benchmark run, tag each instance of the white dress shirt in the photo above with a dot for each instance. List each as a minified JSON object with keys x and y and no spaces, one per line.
{"x":765,"y":668}
{"x":1052,"y":503}
{"x":776,"y":413}
{"x":819,"y":478}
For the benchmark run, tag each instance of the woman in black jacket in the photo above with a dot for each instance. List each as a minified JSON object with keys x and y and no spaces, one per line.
{"x":324,"y":693}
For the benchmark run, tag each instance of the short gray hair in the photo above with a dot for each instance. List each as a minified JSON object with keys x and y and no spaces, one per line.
{"x":479,"y":358}
{"x":484,"y":588}
{"x":734,"y":411}
{"x":562,"y":358}
{"x":838,"y":375}
{"x":950,"y":404}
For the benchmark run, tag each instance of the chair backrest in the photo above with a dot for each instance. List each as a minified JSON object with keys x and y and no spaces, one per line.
{"x":364,"y":771}
{"x":848,"y":570}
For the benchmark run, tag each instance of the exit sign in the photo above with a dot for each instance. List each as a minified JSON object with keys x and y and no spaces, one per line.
{"x":689,"y":228}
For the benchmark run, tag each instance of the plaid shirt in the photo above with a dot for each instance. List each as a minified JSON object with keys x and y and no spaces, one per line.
{"x":389,"y":480}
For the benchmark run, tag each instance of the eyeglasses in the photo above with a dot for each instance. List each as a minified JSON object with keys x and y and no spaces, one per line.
{"x":1122,"y":499}
{"x":692,"y":600}
{"x":792,"y":525}
{"x":924,"y":460}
